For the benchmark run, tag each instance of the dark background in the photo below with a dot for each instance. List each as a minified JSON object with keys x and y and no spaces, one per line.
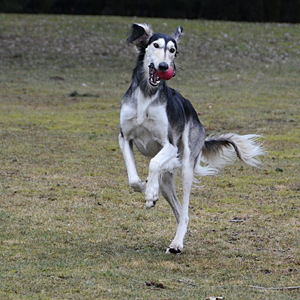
{"x":233,"y":10}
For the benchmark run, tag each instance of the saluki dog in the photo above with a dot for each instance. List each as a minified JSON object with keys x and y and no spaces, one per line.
{"x":165,"y":127}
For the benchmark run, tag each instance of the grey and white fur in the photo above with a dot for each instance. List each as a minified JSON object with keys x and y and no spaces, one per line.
{"x":164,"y":127}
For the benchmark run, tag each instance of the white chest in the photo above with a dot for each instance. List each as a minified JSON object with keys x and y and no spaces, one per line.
{"x":145,"y":122}
{"x":143,"y":108}
{"x":143,"y":112}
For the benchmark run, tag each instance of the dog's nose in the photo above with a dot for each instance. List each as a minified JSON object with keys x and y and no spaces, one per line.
{"x":163,"y":67}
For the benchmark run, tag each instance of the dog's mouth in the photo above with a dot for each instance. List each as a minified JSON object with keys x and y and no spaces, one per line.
{"x":154,"y":80}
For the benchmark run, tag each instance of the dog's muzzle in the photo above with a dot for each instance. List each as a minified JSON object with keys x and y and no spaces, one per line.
{"x":154,"y":79}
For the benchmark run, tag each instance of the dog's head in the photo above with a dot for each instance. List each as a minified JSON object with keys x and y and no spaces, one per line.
{"x":160,"y":50}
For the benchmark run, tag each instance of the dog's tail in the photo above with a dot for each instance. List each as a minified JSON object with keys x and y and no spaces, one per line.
{"x":220,"y":151}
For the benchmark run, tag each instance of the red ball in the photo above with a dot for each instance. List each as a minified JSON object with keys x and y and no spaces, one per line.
{"x":167,"y":74}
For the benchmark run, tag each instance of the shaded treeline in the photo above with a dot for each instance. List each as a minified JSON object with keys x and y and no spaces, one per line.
{"x":234,"y":10}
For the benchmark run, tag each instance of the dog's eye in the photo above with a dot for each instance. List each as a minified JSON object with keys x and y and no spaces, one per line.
{"x":156,"y":45}
{"x":172,"y":50}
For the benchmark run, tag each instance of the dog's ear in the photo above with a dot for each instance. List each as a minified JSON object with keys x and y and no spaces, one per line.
{"x":140,"y":35}
{"x":177,"y":34}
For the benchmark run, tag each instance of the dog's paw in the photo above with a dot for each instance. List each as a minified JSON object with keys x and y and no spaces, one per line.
{"x":150,"y":203}
{"x":174,"y":249}
{"x":151,"y":194}
{"x":139,"y":186}
{"x":151,"y":198}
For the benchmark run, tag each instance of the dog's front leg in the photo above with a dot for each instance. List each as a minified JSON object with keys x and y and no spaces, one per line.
{"x":134,"y":180}
{"x":165,"y":159}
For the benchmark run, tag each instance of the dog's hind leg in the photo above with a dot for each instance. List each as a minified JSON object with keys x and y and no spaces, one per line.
{"x":134,"y":180}
{"x":187,"y":180}
{"x":168,"y":190}
{"x":190,"y":155}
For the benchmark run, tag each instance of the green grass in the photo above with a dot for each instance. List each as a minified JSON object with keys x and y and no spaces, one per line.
{"x":71,"y":228}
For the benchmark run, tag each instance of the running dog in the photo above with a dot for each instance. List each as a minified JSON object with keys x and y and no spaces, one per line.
{"x":165,"y":127}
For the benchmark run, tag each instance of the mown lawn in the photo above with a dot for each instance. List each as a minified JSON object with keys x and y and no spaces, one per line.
{"x":71,"y":228}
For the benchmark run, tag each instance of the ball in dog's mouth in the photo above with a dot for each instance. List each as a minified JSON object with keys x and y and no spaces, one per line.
{"x":166,"y":75}
{"x":155,"y":76}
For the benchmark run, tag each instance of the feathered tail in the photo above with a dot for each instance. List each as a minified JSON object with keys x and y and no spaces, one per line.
{"x":223,"y":150}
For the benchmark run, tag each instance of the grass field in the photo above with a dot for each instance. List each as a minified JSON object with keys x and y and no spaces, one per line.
{"x":70,"y":226}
